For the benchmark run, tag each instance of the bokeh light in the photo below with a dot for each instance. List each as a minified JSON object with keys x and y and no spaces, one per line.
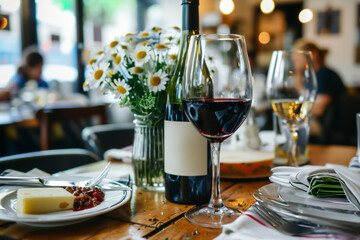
{"x":226,"y":6}
{"x":305,"y":15}
{"x":264,"y":38}
{"x":267,"y":6}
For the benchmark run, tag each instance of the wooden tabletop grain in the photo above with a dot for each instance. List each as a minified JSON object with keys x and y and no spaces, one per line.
{"x":149,"y":215}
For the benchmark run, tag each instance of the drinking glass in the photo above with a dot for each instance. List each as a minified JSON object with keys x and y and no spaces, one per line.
{"x":291,"y":88}
{"x":217,"y":95}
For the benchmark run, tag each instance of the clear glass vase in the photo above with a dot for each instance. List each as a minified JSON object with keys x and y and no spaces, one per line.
{"x":148,"y":153}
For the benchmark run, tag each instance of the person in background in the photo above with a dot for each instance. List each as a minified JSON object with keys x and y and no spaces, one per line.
{"x":330,"y":86}
{"x":31,"y":69}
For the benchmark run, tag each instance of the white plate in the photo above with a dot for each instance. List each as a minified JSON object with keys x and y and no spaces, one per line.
{"x":294,"y":203}
{"x":112,"y":200}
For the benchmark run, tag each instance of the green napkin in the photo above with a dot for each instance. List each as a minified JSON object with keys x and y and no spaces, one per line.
{"x":325,"y":186}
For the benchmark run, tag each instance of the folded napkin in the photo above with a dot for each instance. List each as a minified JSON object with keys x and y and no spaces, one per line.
{"x":330,"y":180}
{"x":114,"y":154}
{"x":251,"y":226}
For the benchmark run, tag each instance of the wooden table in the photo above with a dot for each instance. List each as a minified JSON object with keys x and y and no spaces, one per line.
{"x":151,"y":216}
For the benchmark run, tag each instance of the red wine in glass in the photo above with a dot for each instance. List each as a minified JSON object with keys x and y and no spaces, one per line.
{"x":218,"y":118}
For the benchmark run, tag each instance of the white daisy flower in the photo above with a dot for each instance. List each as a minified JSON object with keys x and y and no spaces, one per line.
{"x":171,"y":58}
{"x":176,"y":28}
{"x":136,"y":70}
{"x":141,"y":54}
{"x":114,"y":43}
{"x":120,"y":88}
{"x":144,"y":34}
{"x":156,"y":29}
{"x":128,"y":38}
{"x":117,"y":59}
{"x":97,"y":74}
{"x":161,"y":47}
{"x":157,"y":81}
{"x":99,"y":52}
{"x":85,"y":87}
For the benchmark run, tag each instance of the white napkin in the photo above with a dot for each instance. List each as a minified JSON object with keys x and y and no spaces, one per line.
{"x":300,"y":177}
{"x":118,"y":154}
{"x":251,"y":226}
{"x":355,"y":162}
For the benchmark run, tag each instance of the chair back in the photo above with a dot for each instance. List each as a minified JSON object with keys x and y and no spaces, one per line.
{"x":101,"y":138}
{"x":48,"y":117}
{"x":339,"y":121}
{"x":50,"y":161}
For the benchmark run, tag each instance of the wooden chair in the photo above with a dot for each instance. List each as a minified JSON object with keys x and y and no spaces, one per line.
{"x":101,"y":138}
{"x":50,"y":161}
{"x":48,"y":117}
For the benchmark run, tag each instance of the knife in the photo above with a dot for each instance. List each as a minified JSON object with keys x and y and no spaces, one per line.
{"x":60,"y":181}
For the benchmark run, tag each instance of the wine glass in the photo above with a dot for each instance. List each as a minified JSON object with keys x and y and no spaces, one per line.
{"x":217,"y":95}
{"x":291,"y":88}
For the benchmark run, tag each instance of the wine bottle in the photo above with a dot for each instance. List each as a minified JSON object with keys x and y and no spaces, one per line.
{"x":187,"y":160}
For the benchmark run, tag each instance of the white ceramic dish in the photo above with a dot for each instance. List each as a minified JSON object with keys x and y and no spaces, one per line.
{"x":113,"y":199}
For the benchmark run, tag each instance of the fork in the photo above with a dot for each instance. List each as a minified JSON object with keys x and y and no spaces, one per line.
{"x":295,"y":227}
{"x":95,"y":181}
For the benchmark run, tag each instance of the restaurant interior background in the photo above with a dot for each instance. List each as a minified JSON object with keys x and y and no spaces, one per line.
{"x":65,"y":32}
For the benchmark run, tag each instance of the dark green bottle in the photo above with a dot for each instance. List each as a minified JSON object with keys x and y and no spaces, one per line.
{"x":187,"y":165}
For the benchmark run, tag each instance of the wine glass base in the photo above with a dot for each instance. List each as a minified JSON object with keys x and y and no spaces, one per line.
{"x":207,"y":216}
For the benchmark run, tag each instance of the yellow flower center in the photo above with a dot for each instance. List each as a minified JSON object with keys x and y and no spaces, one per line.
{"x":173,"y":56}
{"x":128,"y":34}
{"x":124,"y":47}
{"x":137,"y":70}
{"x":145,"y":34}
{"x":176,"y":28}
{"x":114,"y":54}
{"x":110,"y":74}
{"x":117,"y":59}
{"x":155,"y":80}
{"x":100,"y":52}
{"x":92,"y":61}
{"x":157,"y":29}
{"x":84,"y":84}
{"x":160,"y":46}
{"x":113,"y":44}
{"x":170,"y":38}
{"x":98,"y":74}
{"x":121,"y":89}
{"x":144,"y":43}
{"x":141,"y":55}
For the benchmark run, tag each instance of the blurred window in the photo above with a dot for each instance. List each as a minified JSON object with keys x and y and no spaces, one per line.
{"x":107,"y":19}
{"x":56,"y":29}
{"x":10,"y":40}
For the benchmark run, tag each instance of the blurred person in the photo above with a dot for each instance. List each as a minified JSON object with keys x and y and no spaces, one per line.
{"x":30,"y":70}
{"x":330,"y":88}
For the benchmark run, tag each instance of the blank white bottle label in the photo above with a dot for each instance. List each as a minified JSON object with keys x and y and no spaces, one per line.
{"x":185,"y":150}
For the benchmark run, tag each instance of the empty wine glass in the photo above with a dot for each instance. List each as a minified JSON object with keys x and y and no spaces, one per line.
{"x":217,"y":95}
{"x":291,"y":88}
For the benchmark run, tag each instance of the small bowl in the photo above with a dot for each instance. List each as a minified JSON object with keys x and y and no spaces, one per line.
{"x":241,"y":164}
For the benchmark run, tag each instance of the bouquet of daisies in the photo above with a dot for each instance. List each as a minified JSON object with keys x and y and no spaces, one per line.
{"x":135,"y":69}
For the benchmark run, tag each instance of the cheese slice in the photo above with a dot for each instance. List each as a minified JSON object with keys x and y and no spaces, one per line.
{"x":43,"y":200}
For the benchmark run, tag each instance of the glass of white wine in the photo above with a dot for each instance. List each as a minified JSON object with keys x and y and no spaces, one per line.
{"x":291,"y":88}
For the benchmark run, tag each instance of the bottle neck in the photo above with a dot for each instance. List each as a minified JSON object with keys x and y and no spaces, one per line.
{"x":190,"y":16}
{"x":190,"y":26}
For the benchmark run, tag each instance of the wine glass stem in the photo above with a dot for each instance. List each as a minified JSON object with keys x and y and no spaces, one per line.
{"x":293,"y":161}
{"x":215,"y":201}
